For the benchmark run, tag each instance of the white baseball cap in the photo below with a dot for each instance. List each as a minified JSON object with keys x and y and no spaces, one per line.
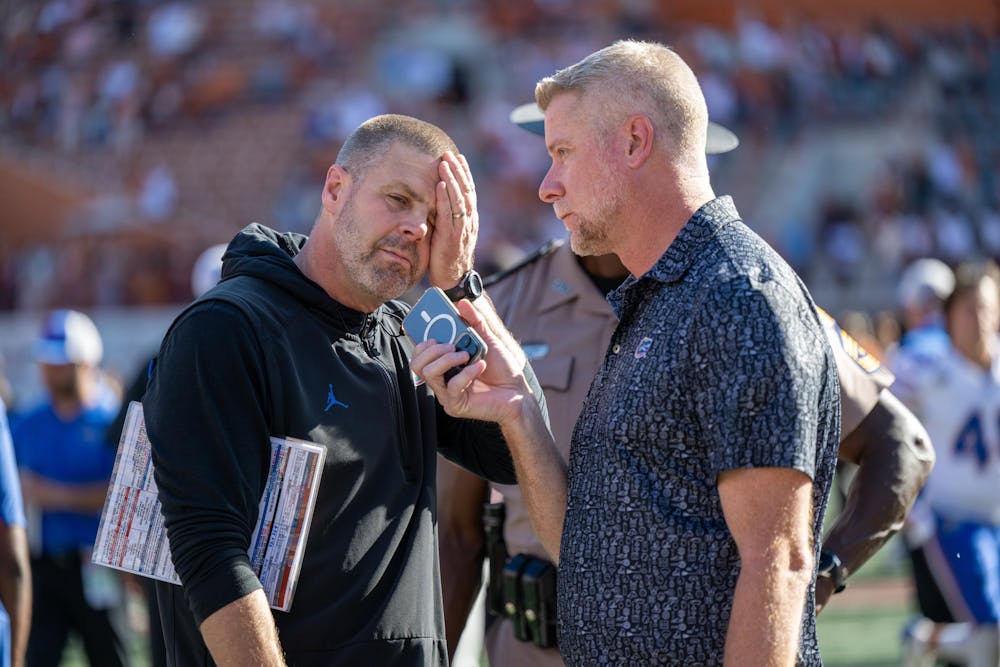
{"x":925,"y":280}
{"x":69,"y":337}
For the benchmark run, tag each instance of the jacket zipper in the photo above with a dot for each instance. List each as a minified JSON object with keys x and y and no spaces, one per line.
{"x":367,"y":335}
{"x":396,"y":407}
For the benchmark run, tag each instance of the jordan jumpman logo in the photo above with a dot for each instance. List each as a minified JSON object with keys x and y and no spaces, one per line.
{"x":331,"y":400}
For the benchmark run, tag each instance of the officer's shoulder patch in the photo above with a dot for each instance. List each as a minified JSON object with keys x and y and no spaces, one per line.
{"x":854,"y":350}
{"x":862,"y":357}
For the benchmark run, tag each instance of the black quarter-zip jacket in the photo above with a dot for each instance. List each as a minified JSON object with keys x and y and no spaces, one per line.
{"x":268,"y":352}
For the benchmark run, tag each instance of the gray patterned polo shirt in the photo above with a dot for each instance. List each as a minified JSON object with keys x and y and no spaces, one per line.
{"x":719,"y":362}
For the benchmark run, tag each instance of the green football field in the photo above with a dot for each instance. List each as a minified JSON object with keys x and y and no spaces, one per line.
{"x":864,"y":633}
{"x":861,"y":628}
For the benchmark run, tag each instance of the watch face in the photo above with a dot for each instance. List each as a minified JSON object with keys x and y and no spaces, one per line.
{"x":474,"y":286}
{"x":469,"y":287}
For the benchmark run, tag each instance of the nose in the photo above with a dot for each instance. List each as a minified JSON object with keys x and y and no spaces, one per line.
{"x":415,"y":227}
{"x":550,"y":191}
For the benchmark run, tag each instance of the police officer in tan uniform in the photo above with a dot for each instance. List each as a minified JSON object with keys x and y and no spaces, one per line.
{"x":554,"y":304}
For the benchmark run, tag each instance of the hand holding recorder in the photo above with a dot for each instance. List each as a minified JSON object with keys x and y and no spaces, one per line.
{"x":496,"y":388}
{"x":435,"y":318}
{"x":491,"y":387}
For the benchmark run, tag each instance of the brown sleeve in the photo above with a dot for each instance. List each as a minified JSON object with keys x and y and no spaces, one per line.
{"x":862,"y":376}
{"x":894,"y":457}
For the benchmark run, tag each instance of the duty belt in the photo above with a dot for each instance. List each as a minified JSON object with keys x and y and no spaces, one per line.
{"x":522,"y":588}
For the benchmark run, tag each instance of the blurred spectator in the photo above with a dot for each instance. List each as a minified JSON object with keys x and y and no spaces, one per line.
{"x":956,"y":239}
{"x":282,"y":19}
{"x":954,"y":529}
{"x":157,"y":197}
{"x":104,"y":80}
{"x":923,"y":287}
{"x":945,"y":169}
{"x":175,"y":28}
{"x":988,"y":231}
{"x":887,"y":331}
{"x":916,"y":236}
{"x":15,"y":575}
{"x":205,"y":274}
{"x":340,"y":110}
{"x":843,"y":241}
{"x":861,"y":328}
{"x":295,"y":207}
{"x":65,"y":466}
{"x":207,"y":269}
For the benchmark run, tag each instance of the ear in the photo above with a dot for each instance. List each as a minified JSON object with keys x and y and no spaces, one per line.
{"x":337,"y":179}
{"x":640,"y":140}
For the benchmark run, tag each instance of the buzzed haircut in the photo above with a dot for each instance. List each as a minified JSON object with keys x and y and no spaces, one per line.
{"x":373,"y":138}
{"x":637,"y":77}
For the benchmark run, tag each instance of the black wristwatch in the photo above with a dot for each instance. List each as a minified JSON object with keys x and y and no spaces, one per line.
{"x":469,"y":287}
{"x":831,"y":567}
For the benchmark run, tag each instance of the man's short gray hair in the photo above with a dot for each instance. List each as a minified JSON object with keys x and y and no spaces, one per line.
{"x":370,"y":141}
{"x":637,"y":77}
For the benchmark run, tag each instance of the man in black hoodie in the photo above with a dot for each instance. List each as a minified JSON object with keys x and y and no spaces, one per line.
{"x":302,"y":338}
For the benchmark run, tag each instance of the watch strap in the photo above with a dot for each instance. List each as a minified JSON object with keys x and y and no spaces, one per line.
{"x":830,"y":566}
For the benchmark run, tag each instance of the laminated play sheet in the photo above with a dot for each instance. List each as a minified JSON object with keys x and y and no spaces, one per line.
{"x":132,"y":537}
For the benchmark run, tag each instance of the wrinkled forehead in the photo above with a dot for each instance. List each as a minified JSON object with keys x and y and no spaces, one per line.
{"x":409,"y":167}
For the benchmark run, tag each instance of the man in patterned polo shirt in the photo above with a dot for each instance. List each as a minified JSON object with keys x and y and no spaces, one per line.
{"x":701,"y":463}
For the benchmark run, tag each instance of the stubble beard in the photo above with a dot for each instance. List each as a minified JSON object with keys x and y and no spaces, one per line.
{"x":390,"y":281}
{"x":371,"y":271}
{"x":591,"y":236}
{"x":588,"y":238}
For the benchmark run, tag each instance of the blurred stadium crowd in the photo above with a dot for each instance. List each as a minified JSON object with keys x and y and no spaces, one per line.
{"x":177,"y":123}
{"x":134,"y":134}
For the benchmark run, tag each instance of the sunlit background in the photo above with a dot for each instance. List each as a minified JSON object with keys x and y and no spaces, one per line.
{"x":136,"y":133}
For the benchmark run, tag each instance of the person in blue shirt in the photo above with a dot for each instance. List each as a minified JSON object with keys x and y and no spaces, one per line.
{"x":66,"y":463}
{"x":15,"y":578}
{"x":923,"y":287}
